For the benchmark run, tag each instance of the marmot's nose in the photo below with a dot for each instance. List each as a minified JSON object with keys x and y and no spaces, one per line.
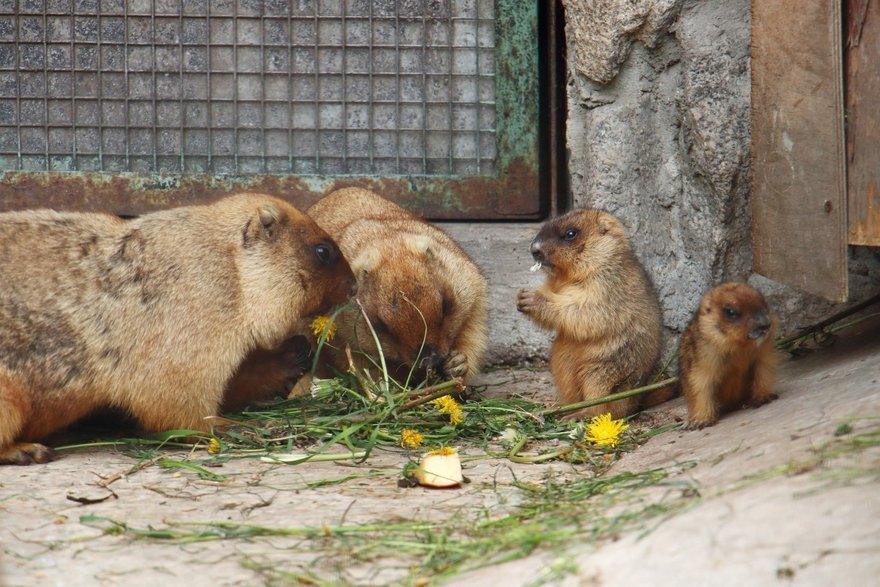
{"x":537,"y":253}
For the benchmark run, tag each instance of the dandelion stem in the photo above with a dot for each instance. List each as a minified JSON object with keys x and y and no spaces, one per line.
{"x":378,"y":346}
{"x":360,"y":378}
{"x":294,"y":459}
{"x":431,"y":393}
{"x":609,"y":398}
{"x":521,"y":441}
{"x":542,"y":457}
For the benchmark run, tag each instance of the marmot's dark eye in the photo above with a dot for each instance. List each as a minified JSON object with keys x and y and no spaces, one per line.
{"x":731,"y":313}
{"x":446,"y":307}
{"x":324,"y":253}
{"x":570,"y":234}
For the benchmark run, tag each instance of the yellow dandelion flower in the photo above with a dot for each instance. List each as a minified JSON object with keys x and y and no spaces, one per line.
{"x":448,"y":405}
{"x":322,"y":324}
{"x":213,"y":446}
{"x":604,"y":431}
{"x":411,"y":438}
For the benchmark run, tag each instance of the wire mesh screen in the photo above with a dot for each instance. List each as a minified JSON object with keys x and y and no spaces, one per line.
{"x":363,"y":87}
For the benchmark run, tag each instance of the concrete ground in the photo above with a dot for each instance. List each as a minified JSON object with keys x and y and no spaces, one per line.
{"x":783,"y":495}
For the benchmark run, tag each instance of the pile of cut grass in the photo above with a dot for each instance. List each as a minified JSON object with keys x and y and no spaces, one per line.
{"x":341,"y":419}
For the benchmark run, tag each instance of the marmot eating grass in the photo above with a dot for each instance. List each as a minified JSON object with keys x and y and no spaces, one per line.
{"x":151,"y":316}
{"x":424,"y":296}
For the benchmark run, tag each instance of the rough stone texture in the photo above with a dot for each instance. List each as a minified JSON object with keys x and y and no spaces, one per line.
{"x":601,"y":31}
{"x":659,"y":134}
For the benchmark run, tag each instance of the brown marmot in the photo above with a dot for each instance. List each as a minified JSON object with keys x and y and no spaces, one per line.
{"x":602,"y":306}
{"x":424,"y":296}
{"x":726,"y":355}
{"x":152,"y":315}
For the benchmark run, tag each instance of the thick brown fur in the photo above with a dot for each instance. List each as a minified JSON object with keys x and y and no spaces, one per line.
{"x":268,"y":374}
{"x":151,"y":316}
{"x":602,"y":306}
{"x":727,"y":357}
{"x":424,"y":296}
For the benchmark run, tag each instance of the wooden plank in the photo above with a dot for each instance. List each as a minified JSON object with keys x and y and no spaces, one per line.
{"x":799,"y":232}
{"x":863,"y":120}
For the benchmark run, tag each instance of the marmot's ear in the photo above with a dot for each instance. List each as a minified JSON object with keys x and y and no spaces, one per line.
{"x":608,"y":224}
{"x":366,"y":261}
{"x":269,"y":216}
{"x":417,"y":243}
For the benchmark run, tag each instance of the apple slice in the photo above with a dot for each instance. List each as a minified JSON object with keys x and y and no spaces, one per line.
{"x":439,"y":468}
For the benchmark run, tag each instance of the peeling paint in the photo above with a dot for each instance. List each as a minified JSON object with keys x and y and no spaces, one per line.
{"x":440,"y":198}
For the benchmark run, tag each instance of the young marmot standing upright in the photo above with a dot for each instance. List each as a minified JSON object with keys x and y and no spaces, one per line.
{"x":424,"y":296}
{"x":151,"y":316}
{"x":602,"y":306}
{"x":726,"y":355}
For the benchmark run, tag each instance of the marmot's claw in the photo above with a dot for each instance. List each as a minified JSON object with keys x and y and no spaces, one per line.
{"x":698,"y":425}
{"x":526,"y":300}
{"x":456,"y":365}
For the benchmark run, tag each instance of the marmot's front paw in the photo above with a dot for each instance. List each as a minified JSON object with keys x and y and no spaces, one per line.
{"x":528,"y":300}
{"x":26,"y":453}
{"x":694,"y":424}
{"x":296,"y":359}
{"x":456,"y":365}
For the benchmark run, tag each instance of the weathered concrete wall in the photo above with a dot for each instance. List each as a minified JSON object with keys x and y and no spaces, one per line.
{"x":502,"y":253}
{"x":659,"y":134}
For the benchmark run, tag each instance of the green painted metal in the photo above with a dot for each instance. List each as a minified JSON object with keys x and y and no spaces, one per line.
{"x":516,"y":86}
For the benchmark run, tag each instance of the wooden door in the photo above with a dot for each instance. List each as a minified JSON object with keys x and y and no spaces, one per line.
{"x":862,"y":83}
{"x":799,"y":223}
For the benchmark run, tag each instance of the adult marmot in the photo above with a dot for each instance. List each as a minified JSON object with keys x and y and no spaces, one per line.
{"x":602,"y":306}
{"x":152,"y":315}
{"x":726,"y":355}
{"x":424,"y":296}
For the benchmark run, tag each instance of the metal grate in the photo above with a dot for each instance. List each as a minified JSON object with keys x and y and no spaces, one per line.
{"x":360,"y":87}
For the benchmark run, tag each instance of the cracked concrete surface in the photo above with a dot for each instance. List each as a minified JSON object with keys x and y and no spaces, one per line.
{"x":781,"y":500}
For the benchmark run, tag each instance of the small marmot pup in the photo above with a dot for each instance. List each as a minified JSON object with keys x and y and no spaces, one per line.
{"x":726,"y":356}
{"x":151,"y":316}
{"x":602,"y":306}
{"x":424,"y":296}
